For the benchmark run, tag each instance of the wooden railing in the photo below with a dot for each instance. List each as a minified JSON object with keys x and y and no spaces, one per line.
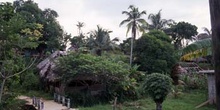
{"x":62,"y":99}
{"x":38,"y":103}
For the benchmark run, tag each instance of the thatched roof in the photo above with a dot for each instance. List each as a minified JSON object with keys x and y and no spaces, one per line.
{"x":47,"y":65}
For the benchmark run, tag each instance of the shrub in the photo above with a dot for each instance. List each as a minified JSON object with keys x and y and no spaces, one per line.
{"x":194,"y":81}
{"x":157,"y":86}
{"x":111,"y":72}
{"x":31,"y":81}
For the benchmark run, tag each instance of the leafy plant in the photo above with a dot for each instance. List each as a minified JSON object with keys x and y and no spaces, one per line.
{"x":110,"y":71}
{"x":158,"y":86}
{"x":194,"y":81}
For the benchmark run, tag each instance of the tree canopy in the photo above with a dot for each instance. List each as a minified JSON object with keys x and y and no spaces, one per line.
{"x":153,"y":53}
{"x":180,"y":32}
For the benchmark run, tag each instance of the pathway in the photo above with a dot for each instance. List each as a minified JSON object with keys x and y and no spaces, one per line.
{"x":48,"y":104}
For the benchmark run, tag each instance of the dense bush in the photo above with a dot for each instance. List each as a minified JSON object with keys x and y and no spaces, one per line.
{"x":110,"y":70}
{"x":154,"y":52}
{"x":31,"y":81}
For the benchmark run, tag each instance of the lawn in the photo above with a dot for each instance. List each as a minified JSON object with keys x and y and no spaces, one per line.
{"x":187,"y":101}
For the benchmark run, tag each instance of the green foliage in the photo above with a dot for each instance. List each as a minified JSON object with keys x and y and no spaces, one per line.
{"x":197,"y":49}
{"x":16,"y":36}
{"x":194,"y":81}
{"x":158,"y":86}
{"x":110,"y":71}
{"x":157,"y":22}
{"x":180,"y":31}
{"x":30,"y":82}
{"x":99,"y":41}
{"x":77,"y":63}
{"x":53,"y":36}
{"x":134,"y":20}
{"x":154,"y":53}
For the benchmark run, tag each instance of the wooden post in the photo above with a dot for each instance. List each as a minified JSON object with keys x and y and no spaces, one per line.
{"x":68,"y":103}
{"x":38,"y":104}
{"x":215,"y":23}
{"x":54,"y":97}
{"x":33,"y":100}
{"x":42,"y":105}
{"x":63,"y":101}
{"x":58,"y":98}
{"x":211,"y":87}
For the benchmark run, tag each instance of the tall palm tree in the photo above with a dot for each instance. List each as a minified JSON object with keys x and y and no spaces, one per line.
{"x":79,"y":26}
{"x":134,"y":23}
{"x":157,"y":22}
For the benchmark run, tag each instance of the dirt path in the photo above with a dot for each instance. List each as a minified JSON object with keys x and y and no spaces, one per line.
{"x":48,"y":104}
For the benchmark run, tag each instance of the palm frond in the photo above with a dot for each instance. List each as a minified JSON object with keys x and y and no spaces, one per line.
{"x":124,"y":21}
{"x":197,"y":49}
{"x":128,"y":28}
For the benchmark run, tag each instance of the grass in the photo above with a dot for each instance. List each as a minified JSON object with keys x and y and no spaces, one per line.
{"x":187,"y":101}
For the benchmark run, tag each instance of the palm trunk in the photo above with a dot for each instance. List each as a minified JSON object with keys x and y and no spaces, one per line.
{"x":215,"y":22}
{"x":158,"y":106}
{"x":132,"y":42}
{"x":2,"y":89}
{"x":131,"y":53}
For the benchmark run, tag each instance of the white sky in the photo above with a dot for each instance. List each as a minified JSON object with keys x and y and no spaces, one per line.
{"x":107,"y":13}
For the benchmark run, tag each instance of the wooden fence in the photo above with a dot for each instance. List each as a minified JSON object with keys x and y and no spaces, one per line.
{"x":37,"y":102}
{"x":62,"y":99}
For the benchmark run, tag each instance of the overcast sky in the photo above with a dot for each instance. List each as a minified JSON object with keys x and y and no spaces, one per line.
{"x":107,"y":13}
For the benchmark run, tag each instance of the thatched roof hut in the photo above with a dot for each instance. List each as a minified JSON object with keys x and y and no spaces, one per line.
{"x":77,"y":83}
{"x":47,"y":66}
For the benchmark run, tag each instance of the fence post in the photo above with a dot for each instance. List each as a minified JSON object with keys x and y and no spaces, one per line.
{"x":68,"y":103}
{"x":54,"y":97}
{"x":42,"y":105}
{"x":38,"y":104}
{"x":33,"y":101}
{"x":58,"y":98}
{"x":63,"y":101}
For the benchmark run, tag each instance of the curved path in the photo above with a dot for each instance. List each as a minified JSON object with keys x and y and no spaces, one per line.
{"x":48,"y":104}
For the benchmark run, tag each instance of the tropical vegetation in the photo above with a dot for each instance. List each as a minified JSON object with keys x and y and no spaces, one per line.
{"x":95,"y":68}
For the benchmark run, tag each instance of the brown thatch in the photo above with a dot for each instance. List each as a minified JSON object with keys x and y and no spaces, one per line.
{"x":46,"y":66}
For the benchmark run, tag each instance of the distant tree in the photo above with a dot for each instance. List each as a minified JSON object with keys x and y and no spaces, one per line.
{"x":154,"y":52}
{"x":79,"y":26}
{"x":180,"y":32}
{"x":100,"y":41}
{"x":134,"y":23}
{"x":157,"y":22}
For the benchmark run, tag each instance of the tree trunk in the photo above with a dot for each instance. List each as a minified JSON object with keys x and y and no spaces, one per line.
{"x":215,"y":23}
{"x":158,"y":106}
{"x":2,"y":89}
{"x":131,"y":53}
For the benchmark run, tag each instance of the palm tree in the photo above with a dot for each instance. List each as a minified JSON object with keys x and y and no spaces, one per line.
{"x":79,"y":26}
{"x":157,"y":22}
{"x":134,"y":23}
{"x":99,"y":41}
